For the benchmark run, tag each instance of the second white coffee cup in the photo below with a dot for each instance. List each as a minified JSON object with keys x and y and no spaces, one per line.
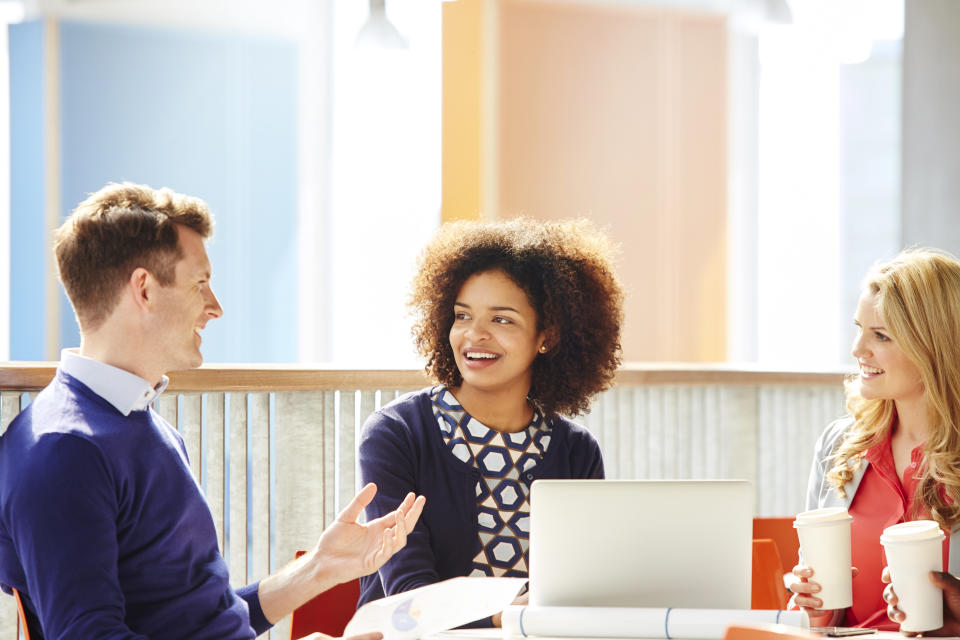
{"x":913,"y":550}
{"x":825,"y":543}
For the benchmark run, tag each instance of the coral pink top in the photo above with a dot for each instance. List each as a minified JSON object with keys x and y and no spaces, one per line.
{"x":882,"y":499}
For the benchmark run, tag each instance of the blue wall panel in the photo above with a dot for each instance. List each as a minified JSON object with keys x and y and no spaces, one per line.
{"x":28,"y":245}
{"x":207,"y":114}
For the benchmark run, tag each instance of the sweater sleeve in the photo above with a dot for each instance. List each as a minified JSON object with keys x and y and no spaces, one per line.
{"x":251,"y":595}
{"x":594,"y":458}
{"x":387,"y":457}
{"x":66,"y":536}
{"x":586,"y":460}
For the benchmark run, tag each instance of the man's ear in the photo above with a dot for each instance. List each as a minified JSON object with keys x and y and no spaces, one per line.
{"x":140,"y":287}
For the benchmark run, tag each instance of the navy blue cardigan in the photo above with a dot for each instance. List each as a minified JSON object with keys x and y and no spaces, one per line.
{"x":402,"y":450}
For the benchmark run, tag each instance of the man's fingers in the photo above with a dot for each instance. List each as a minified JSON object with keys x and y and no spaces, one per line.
{"x":413,"y":514}
{"x":392,"y":540}
{"x":374,"y":635}
{"x":400,"y":532}
{"x":357,"y":505}
{"x":395,"y":536}
{"x":409,"y":517}
{"x":407,"y":502}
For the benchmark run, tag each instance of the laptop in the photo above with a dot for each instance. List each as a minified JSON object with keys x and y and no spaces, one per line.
{"x":641,"y":543}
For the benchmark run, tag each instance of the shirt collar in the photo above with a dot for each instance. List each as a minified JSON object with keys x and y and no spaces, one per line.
{"x":881,"y":454}
{"x":125,"y":391}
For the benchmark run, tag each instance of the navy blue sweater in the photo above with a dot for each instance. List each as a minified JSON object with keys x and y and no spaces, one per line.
{"x":402,"y":450}
{"x":103,"y":528}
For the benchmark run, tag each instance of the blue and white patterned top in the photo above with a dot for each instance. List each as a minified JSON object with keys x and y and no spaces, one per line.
{"x":503,"y":495}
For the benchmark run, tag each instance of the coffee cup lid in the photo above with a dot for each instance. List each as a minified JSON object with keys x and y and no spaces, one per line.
{"x":913,"y":531}
{"x":824,"y":516}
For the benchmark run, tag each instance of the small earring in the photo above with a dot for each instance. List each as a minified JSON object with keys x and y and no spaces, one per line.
{"x":543,"y":348}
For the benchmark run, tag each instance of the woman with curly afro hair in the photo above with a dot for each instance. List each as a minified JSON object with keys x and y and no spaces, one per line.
{"x":519,"y":323}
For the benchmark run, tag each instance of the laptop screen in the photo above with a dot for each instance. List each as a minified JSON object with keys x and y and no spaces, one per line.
{"x":641,"y":543}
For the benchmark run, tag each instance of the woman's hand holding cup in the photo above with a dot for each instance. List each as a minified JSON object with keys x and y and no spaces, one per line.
{"x":890,"y":597}
{"x":824,"y":536}
{"x":947,"y":583}
{"x":913,"y":550}
{"x":805,"y":596}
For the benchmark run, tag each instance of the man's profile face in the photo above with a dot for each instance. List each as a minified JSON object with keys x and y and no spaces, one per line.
{"x":185,"y":307}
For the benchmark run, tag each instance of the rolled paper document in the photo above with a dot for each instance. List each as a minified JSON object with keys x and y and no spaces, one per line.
{"x":630,"y":622}
{"x":434,"y":607}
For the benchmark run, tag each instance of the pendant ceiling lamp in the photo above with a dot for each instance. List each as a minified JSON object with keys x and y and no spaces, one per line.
{"x":378,"y":31}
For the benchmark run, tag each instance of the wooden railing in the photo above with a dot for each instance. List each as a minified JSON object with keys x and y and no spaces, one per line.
{"x":274,"y":447}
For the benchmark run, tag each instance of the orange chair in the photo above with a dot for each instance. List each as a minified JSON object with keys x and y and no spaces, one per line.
{"x":328,"y":613}
{"x":781,"y":531}
{"x":23,"y":622}
{"x":768,"y":591}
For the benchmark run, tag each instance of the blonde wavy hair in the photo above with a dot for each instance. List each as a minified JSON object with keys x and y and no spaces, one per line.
{"x":918,"y":298}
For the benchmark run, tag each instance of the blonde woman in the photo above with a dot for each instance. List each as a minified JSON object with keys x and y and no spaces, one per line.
{"x":897,"y":456}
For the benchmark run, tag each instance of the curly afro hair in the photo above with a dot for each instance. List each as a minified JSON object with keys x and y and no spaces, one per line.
{"x":566,"y":271}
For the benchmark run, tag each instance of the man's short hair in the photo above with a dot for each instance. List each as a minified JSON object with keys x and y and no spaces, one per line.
{"x":114,"y":231}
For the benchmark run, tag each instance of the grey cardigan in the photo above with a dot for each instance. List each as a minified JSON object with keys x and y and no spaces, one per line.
{"x":820,"y":493}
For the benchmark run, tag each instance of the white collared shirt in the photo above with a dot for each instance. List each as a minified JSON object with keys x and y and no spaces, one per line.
{"x":125,"y":391}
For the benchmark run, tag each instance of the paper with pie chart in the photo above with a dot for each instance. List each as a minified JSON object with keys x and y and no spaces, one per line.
{"x":435,"y":607}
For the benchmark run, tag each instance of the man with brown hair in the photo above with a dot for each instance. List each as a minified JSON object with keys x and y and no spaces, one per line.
{"x":103,"y":529}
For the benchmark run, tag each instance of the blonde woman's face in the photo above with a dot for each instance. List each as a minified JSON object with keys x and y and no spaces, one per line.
{"x":885,"y":371}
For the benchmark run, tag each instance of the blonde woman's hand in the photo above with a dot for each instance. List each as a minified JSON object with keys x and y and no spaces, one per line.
{"x":805,"y":596}
{"x":890,"y":597}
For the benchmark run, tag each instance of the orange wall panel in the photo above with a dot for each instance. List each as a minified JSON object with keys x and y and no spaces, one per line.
{"x":462,"y":147}
{"x":618,"y":114}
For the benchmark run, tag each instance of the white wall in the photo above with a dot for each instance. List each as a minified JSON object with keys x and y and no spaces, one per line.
{"x":931,"y":136}
{"x":385,"y":180}
{"x":828,"y":175}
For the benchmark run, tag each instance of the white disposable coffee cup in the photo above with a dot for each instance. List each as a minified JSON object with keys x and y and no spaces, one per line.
{"x":913,"y":550}
{"x":825,"y":543}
